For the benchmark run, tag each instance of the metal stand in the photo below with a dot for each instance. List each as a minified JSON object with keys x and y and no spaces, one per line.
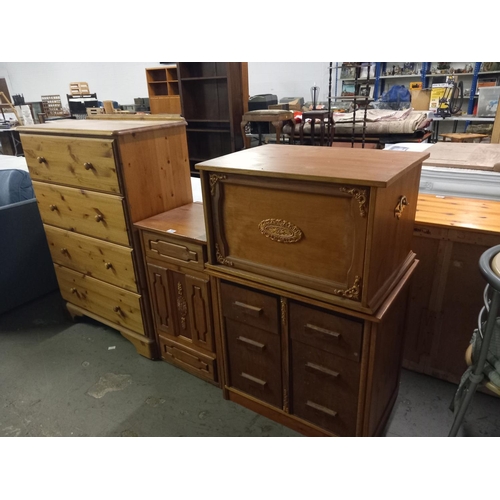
{"x":492,"y":308}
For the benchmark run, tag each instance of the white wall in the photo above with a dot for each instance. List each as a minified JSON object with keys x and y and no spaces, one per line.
{"x":123,"y":81}
{"x":116,"y":81}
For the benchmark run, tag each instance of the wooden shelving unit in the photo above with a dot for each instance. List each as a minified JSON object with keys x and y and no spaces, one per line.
{"x":214,"y":97}
{"x":163,"y":90}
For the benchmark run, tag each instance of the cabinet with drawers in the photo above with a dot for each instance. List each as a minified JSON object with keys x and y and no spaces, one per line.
{"x":311,"y":253}
{"x":92,"y":180}
{"x":174,"y":248}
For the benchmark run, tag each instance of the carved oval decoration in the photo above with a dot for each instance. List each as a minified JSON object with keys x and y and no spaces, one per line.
{"x":280,"y":230}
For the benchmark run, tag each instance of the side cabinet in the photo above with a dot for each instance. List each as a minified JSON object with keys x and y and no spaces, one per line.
{"x":181,"y":298}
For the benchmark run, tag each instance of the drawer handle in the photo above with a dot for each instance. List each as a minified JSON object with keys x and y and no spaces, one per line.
{"x":251,"y":343}
{"x":108,"y":265}
{"x":53,"y":207}
{"x":41,"y":159}
{"x":322,"y":369}
{"x":254,"y":379}
{"x":73,"y":290}
{"x":118,"y":310}
{"x":88,"y":166}
{"x":323,"y":409}
{"x":318,"y":329}
{"x":252,"y":310}
{"x":99,"y":217}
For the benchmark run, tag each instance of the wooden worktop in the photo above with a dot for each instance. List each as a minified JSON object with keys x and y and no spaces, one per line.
{"x":103,"y":128}
{"x":349,"y":166}
{"x":187,"y":221}
{"x":450,"y":211}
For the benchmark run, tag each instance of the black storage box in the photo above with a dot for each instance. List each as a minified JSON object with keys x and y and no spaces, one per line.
{"x":261,"y":101}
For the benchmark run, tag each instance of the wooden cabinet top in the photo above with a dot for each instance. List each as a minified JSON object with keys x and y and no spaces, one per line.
{"x":103,"y":128}
{"x":464,"y":213}
{"x":321,"y":164}
{"x":187,"y":221}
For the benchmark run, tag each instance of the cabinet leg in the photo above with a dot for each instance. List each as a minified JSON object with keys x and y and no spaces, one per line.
{"x":73,"y":311}
{"x":144,"y":346}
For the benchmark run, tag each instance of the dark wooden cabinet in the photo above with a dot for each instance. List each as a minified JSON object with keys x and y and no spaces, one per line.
{"x":214,"y":97}
{"x":181,"y":305}
{"x":310,"y":251}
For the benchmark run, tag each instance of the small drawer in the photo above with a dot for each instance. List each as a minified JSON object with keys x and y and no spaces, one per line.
{"x":86,"y":212}
{"x":174,"y":250}
{"x":73,"y":161}
{"x":109,"y":301}
{"x":325,"y":389}
{"x":250,"y":306}
{"x":326,"y":330}
{"x":254,"y":362}
{"x":99,"y":259}
{"x":192,"y":361}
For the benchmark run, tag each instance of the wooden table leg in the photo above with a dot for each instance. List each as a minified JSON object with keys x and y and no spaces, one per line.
{"x":246,"y":140}
{"x":278,"y":126}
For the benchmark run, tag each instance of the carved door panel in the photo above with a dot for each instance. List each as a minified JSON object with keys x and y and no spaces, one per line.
{"x":159,"y":284}
{"x":197,"y":296}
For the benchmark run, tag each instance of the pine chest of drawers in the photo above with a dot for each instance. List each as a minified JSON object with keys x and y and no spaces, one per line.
{"x":93,"y":179}
{"x":330,"y":223}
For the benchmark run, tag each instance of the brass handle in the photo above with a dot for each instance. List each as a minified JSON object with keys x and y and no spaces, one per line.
{"x":88,"y":166}
{"x":41,"y":159}
{"x":398,"y":211}
{"x":99,"y":217}
{"x":252,"y":310}
{"x":108,"y":265}
{"x":251,"y":343}
{"x":73,"y":290}
{"x":324,"y":331}
{"x":53,"y":207}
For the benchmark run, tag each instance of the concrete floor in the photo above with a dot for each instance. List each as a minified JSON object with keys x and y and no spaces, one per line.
{"x":60,"y":378}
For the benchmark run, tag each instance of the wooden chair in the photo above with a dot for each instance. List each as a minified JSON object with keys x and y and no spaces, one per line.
{"x":325,"y":135}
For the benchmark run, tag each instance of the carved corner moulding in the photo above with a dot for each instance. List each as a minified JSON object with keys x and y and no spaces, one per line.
{"x":351,"y":293}
{"x":181,"y":305}
{"x":402,"y":203}
{"x":214,"y":179}
{"x":220,"y":258}
{"x":360,"y":195}
{"x":280,"y":230}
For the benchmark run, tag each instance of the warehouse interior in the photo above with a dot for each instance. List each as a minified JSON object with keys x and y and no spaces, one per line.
{"x":231,"y":250}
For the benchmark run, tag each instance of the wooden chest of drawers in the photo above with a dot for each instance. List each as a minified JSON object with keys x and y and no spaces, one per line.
{"x":93,"y":179}
{"x":174,"y":248}
{"x":330,"y":223}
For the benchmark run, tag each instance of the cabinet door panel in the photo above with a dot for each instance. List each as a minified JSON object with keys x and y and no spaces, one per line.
{"x":198,"y":300}
{"x":160,"y":303}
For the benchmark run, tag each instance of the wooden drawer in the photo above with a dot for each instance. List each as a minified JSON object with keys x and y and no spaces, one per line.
{"x":110,"y":302}
{"x":74,"y":161}
{"x":86,"y":212}
{"x":191,"y":360}
{"x":249,"y":306}
{"x":326,"y":330}
{"x":254,"y":358}
{"x":173,"y":250}
{"x":325,"y":389}
{"x":99,"y":259}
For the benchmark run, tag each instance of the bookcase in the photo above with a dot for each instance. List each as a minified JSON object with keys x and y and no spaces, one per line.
{"x":214,"y":97}
{"x":163,"y":90}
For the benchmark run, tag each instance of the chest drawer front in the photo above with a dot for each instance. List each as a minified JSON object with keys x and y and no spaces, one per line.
{"x":189,"y":359}
{"x":86,"y":212}
{"x":173,"y":251}
{"x":250,"y":306}
{"x":325,"y":389}
{"x":307,"y":234}
{"x":74,"y":161}
{"x":326,"y":330}
{"x":254,"y":362}
{"x":99,"y":259}
{"x":115,"y":304}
